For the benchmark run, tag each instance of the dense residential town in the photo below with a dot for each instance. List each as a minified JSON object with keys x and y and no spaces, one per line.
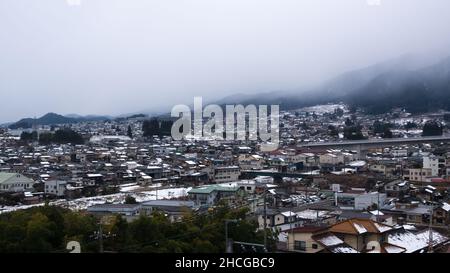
{"x":341,"y":181}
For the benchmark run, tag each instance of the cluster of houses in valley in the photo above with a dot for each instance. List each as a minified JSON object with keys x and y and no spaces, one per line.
{"x":389,"y":199}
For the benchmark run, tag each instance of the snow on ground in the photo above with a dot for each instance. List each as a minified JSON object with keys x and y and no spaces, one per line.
{"x":129,"y":188}
{"x":118,"y":198}
{"x":322,"y":109}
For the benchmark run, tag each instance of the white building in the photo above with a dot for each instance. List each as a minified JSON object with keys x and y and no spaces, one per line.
{"x":399,"y":153}
{"x":226,"y":174}
{"x":431,"y":162}
{"x":55,"y":187}
{"x":250,"y":162}
{"x":15,"y":182}
{"x":420,"y":175}
{"x":359,"y":201}
{"x":331,"y":158}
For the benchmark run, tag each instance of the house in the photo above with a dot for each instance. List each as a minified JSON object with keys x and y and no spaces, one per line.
{"x":226,"y":174}
{"x":283,"y":220}
{"x":385,"y":168}
{"x":399,"y":152}
{"x":15,"y":182}
{"x":413,"y":213}
{"x":270,"y":218}
{"x":331,"y":158}
{"x":329,"y":242}
{"x":211,"y":194}
{"x":301,"y":240}
{"x":349,"y":236}
{"x":418,"y":174}
{"x":55,"y":187}
{"x":155,"y":172}
{"x":396,"y":188}
{"x":93,"y":179}
{"x":417,"y":242}
{"x":285,"y":217}
{"x":143,"y":179}
{"x":357,"y":233}
{"x":441,"y":215}
{"x":250,"y":162}
{"x":173,"y":209}
{"x":128,"y":211}
{"x":248,"y":186}
{"x":363,"y":235}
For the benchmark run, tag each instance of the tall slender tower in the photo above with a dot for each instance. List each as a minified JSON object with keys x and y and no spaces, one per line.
{"x":35,"y":128}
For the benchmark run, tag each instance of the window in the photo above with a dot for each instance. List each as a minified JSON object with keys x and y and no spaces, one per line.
{"x":300,"y":245}
{"x":314,"y":246}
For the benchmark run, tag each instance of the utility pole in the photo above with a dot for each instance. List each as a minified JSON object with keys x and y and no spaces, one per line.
{"x":100,"y":234}
{"x":228,"y":248}
{"x":430,"y":233}
{"x":265,"y":219}
{"x":378,"y":203}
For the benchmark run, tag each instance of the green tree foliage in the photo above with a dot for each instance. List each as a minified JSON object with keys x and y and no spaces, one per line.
{"x":432,"y":128}
{"x":410,"y":125}
{"x":387,"y":133}
{"x":130,"y":200}
{"x":155,"y":127}
{"x":382,"y":129}
{"x":129,"y":132}
{"x":67,"y":136}
{"x":150,"y":127}
{"x":49,"y":228}
{"x":352,"y":109}
{"x":447,"y":117}
{"x":349,"y":122}
{"x":166,"y":127}
{"x":353,"y":133}
{"x":339,"y":112}
{"x":29,"y":136}
{"x":333,"y":131}
{"x":44,"y":229}
{"x":60,"y":137}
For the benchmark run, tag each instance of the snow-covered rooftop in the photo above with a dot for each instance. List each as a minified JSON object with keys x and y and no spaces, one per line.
{"x":414,"y":242}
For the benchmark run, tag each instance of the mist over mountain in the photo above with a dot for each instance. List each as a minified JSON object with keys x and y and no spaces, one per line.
{"x":409,"y":81}
{"x":417,"y":91}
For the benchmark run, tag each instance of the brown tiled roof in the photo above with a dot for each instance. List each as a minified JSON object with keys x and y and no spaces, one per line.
{"x":359,"y":226}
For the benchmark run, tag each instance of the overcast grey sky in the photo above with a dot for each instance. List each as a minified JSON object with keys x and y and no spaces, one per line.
{"x":121,"y":56}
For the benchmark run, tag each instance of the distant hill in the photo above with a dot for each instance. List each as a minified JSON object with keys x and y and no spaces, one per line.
{"x":401,"y":82}
{"x":53,"y":119}
{"x":417,"y":91}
